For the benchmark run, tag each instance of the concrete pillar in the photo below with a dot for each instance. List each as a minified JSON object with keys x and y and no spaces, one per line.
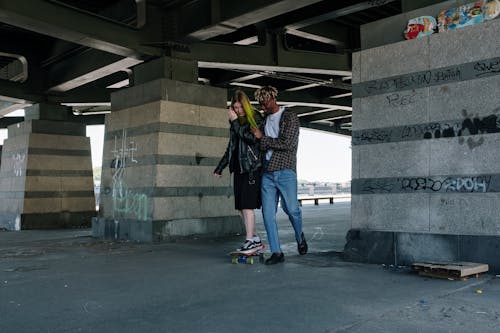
{"x":46,"y":173}
{"x":426,"y":167}
{"x":163,"y":139}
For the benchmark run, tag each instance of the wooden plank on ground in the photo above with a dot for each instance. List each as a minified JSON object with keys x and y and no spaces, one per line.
{"x":449,"y":270}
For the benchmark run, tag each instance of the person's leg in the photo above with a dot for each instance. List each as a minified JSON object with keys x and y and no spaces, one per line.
{"x":248,"y":216}
{"x":269,"y":207}
{"x":287,"y":186}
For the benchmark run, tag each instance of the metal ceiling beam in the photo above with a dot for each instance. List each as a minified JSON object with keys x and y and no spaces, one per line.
{"x":60,"y":22}
{"x":7,"y":121}
{"x":273,"y":56}
{"x":84,"y":68}
{"x":327,"y":128}
{"x":18,"y":93}
{"x":324,"y":32}
{"x":338,"y":13}
{"x":8,"y":107}
{"x":88,"y":95}
{"x":324,"y":116}
{"x":226,"y":16}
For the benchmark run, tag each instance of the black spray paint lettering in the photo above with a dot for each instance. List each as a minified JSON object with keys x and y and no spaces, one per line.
{"x":396,"y":100}
{"x":447,"y":75}
{"x":484,"y":68}
{"x":373,"y":136}
{"x":449,"y":184}
{"x":399,"y":83}
{"x":467,"y":184}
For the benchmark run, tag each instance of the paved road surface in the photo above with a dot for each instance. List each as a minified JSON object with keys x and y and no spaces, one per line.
{"x":66,"y":281}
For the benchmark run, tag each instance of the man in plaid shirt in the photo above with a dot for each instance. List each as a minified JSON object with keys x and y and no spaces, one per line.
{"x":279,"y":139}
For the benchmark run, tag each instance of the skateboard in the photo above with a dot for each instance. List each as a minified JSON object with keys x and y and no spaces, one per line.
{"x":420,"y":27}
{"x":238,"y":257}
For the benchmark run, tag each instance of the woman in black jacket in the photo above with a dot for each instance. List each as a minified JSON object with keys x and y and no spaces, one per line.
{"x":244,"y":159}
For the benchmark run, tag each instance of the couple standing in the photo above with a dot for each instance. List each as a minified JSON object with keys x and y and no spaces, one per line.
{"x":264,"y":179}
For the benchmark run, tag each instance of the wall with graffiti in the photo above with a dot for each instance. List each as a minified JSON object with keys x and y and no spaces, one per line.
{"x":426,"y":131}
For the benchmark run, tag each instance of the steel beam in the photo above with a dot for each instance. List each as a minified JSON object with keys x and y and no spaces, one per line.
{"x":324,"y":116}
{"x":85,"y":67}
{"x":326,"y":128}
{"x":7,"y":121}
{"x":267,"y":58}
{"x":18,"y":93}
{"x":93,"y":31}
{"x":226,"y":16}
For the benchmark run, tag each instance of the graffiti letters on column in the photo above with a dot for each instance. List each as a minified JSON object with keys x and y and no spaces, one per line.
{"x":464,"y":130}
{"x":18,"y":160}
{"x":433,"y":184}
{"x":124,"y":200}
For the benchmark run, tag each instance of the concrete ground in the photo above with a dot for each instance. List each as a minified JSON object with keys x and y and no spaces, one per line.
{"x":66,"y":281}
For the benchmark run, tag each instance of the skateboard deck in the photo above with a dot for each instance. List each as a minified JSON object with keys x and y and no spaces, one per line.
{"x":238,"y":257}
{"x":420,"y":27}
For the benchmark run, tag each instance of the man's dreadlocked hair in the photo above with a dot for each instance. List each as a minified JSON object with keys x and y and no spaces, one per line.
{"x":265,"y":93}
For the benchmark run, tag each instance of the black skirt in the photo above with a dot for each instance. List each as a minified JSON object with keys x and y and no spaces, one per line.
{"x":247,"y":190}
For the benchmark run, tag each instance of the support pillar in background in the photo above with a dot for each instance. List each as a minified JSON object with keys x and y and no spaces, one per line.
{"x":163,"y":140}
{"x":46,"y":172}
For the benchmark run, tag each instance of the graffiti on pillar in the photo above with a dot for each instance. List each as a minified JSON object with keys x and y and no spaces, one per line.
{"x":124,"y":200}
{"x":447,"y":184}
{"x":129,"y":202}
{"x":18,"y":162}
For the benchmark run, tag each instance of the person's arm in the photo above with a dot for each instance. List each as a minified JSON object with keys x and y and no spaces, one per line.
{"x":288,"y":135}
{"x":224,"y":161}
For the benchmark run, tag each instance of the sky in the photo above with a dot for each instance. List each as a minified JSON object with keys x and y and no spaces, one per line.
{"x":321,"y":156}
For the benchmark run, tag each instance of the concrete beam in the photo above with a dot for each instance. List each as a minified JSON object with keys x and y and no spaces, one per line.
{"x":226,"y":16}
{"x":326,"y":128}
{"x":61,"y":22}
{"x":337,"y":13}
{"x":8,"y":107}
{"x":18,"y":92}
{"x":84,"y":68}
{"x":7,"y":121}
{"x":270,"y":57}
{"x":324,"y":115}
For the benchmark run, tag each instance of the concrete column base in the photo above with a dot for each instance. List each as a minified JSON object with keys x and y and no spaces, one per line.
{"x":403,"y":248}
{"x":153,"y":231}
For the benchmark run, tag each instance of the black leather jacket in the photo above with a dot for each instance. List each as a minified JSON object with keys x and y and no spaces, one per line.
{"x":249,"y":154}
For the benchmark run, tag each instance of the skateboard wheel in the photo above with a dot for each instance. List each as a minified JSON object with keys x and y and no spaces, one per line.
{"x":250,"y":261}
{"x":234,"y":261}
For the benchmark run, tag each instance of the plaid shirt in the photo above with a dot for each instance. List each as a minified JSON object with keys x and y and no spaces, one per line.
{"x":285,"y":145}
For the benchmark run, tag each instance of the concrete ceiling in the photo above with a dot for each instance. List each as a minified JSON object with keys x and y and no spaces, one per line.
{"x":78,"y":51}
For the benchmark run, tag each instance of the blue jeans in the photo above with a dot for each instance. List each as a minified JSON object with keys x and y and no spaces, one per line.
{"x":276,"y":184}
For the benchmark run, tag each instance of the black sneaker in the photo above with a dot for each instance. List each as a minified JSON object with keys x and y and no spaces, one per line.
{"x":275,"y":258}
{"x":302,"y":246}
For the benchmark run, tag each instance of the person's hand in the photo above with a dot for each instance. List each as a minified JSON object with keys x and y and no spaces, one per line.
{"x":231,"y":114}
{"x":257,"y":133}
{"x":217,"y":175}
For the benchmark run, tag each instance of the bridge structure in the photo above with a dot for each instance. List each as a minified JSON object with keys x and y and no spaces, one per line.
{"x":158,"y":74}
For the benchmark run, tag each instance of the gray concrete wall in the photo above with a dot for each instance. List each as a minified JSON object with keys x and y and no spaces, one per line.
{"x":425,"y":135}
{"x":46,"y":176}
{"x":168,"y":149}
